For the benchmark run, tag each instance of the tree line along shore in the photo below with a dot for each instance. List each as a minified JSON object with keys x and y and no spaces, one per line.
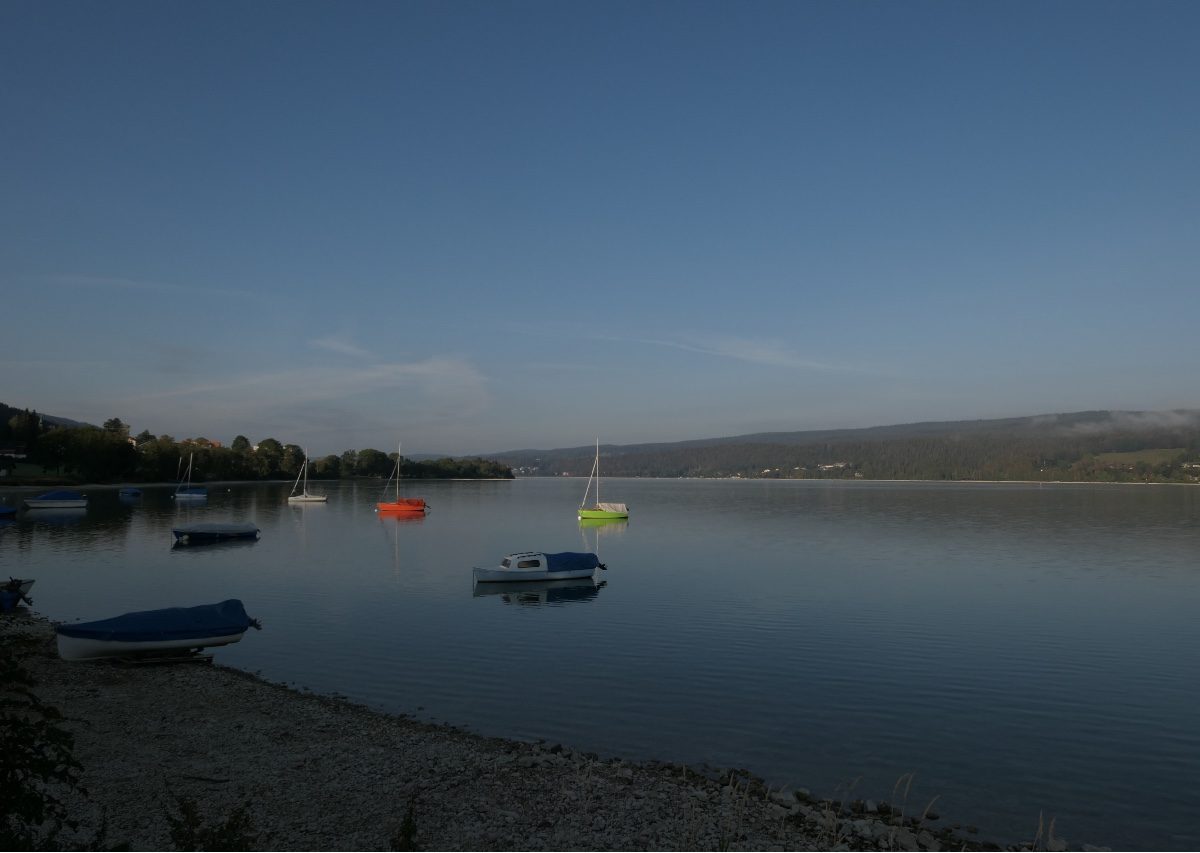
{"x":45,"y":453}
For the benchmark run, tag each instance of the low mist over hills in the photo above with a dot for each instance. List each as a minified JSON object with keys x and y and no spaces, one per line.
{"x":1100,"y":445}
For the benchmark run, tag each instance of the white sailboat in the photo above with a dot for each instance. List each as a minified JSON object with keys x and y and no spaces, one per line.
{"x":304,"y":497}
{"x":598,"y":509}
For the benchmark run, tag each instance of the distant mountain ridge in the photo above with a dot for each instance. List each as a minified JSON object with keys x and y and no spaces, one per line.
{"x":1003,"y":448}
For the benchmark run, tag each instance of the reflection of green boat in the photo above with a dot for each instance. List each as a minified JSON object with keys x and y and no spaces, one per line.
{"x":603,"y":521}
{"x":599,"y":510}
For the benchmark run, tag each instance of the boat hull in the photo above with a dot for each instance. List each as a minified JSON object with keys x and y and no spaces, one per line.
{"x":602,"y":513}
{"x":81,"y":648}
{"x":501,"y":575}
{"x":74,"y":504}
{"x":307,"y":499}
{"x":402,"y":505}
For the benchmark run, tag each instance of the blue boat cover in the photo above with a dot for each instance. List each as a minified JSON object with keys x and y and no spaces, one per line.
{"x":569,"y":561}
{"x":60,"y":496}
{"x":192,"y":490}
{"x":172,"y":623}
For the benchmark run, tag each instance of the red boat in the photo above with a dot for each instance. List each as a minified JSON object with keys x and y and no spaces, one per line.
{"x":399,"y":504}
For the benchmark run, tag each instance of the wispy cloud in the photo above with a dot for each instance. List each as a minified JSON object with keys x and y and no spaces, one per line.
{"x":342,"y":346}
{"x":763,"y":351}
{"x":114,"y":283}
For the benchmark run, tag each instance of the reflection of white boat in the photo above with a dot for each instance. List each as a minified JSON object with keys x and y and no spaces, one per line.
{"x":154,"y":632}
{"x":541,"y":592}
{"x":214,"y":531}
{"x":57,"y":500}
{"x":304,"y":497}
{"x":538,"y":566}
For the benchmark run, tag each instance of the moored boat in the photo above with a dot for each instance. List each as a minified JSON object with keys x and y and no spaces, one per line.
{"x":540,"y":566}
{"x":398,"y":504}
{"x":185,"y":491}
{"x":304,"y":497}
{"x":599,"y":510}
{"x":61,"y":499}
{"x":8,"y":512}
{"x":155,"y":632}
{"x":214,"y":531}
{"x":129,"y":493}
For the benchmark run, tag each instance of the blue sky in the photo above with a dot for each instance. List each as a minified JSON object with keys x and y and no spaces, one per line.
{"x":487,"y":226}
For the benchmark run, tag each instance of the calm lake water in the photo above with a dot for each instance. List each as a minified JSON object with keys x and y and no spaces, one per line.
{"x":1019,"y":648}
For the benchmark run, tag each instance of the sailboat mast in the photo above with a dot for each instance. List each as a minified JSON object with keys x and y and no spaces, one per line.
{"x":597,"y":472}
{"x":399,"y":444}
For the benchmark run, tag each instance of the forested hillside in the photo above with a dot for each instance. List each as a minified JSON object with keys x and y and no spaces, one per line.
{"x":1084,"y":446}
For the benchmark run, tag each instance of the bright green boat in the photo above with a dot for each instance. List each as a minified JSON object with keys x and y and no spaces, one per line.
{"x":598,"y":509}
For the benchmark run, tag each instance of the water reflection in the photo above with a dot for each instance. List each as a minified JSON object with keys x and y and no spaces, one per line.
{"x":58,"y":517}
{"x":552,"y":593}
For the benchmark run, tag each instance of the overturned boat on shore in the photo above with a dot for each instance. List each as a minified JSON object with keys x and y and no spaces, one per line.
{"x":150,"y":633}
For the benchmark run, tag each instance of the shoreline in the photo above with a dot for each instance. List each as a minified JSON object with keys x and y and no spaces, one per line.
{"x":18,"y":487}
{"x":321,"y":772}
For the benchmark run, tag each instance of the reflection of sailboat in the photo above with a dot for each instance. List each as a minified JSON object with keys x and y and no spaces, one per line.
{"x":189,"y":492}
{"x":598,"y":509}
{"x":542,"y":592}
{"x":399,"y":504}
{"x":614,"y":523}
{"x":304,"y":496}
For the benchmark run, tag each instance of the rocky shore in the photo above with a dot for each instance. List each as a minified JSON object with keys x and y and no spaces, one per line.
{"x":308,"y":772}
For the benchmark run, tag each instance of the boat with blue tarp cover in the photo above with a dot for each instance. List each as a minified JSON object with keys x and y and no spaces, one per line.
{"x":61,"y":499}
{"x":540,"y":566}
{"x":171,"y":630}
{"x":214,"y":531}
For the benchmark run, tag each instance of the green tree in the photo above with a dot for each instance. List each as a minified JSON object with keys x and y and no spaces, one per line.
{"x":241,"y":444}
{"x":373,"y":463}
{"x":267,"y":458}
{"x":117,"y":427}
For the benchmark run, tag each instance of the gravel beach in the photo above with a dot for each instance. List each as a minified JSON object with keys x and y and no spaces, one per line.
{"x":320,"y":773}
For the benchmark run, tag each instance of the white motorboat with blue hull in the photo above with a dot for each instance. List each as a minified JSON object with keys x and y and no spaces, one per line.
{"x":540,"y":566}
{"x":155,"y":632}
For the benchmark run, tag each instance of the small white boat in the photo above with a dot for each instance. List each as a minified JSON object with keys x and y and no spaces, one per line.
{"x":155,"y":632}
{"x":57,"y":500}
{"x":539,"y":566}
{"x":214,"y":531}
{"x":304,"y":497}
